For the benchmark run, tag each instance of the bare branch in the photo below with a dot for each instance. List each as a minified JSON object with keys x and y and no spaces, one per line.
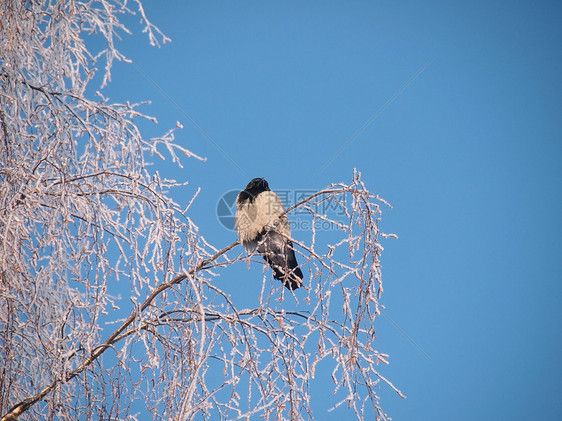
{"x":82,"y":219}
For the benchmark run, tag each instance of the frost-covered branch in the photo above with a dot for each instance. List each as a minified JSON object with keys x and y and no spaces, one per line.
{"x":22,"y":406}
{"x":82,"y":219}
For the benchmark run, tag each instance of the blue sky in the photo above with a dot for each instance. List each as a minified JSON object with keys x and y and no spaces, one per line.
{"x":465,"y":141}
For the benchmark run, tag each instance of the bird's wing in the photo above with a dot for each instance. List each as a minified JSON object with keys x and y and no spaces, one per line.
{"x":278,"y":252}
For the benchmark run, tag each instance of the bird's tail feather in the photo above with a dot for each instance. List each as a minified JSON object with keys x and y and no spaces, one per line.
{"x":291,"y":277}
{"x":278,"y":252}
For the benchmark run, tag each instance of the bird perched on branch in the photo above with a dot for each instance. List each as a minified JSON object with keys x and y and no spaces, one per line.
{"x":262,"y":227}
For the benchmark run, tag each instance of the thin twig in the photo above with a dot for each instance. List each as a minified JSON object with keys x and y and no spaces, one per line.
{"x":26,"y":403}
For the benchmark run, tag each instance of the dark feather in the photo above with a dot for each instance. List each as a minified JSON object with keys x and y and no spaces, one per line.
{"x":254,"y":187}
{"x":278,"y":252}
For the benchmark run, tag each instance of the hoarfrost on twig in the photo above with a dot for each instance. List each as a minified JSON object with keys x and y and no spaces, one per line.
{"x":80,"y":215}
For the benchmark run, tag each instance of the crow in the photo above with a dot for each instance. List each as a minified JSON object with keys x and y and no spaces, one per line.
{"x":261,"y":228}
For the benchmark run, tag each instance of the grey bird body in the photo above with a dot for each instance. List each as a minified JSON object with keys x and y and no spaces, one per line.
{"x":262,"y":229}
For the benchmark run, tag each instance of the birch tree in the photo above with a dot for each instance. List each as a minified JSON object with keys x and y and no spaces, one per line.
{"x":81,"y":215}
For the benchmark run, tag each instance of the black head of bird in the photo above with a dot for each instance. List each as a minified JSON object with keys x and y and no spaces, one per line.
{"x":254,"y":187}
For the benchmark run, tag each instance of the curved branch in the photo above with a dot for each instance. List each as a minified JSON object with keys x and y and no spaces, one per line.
{"x":349,"y":333}
{"x":25,"y":404}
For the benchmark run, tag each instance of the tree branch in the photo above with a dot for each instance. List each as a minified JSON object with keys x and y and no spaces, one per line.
{"x":26,"y":403}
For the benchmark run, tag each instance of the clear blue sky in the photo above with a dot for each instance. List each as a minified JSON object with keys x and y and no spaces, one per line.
{"x":468,"y":151}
